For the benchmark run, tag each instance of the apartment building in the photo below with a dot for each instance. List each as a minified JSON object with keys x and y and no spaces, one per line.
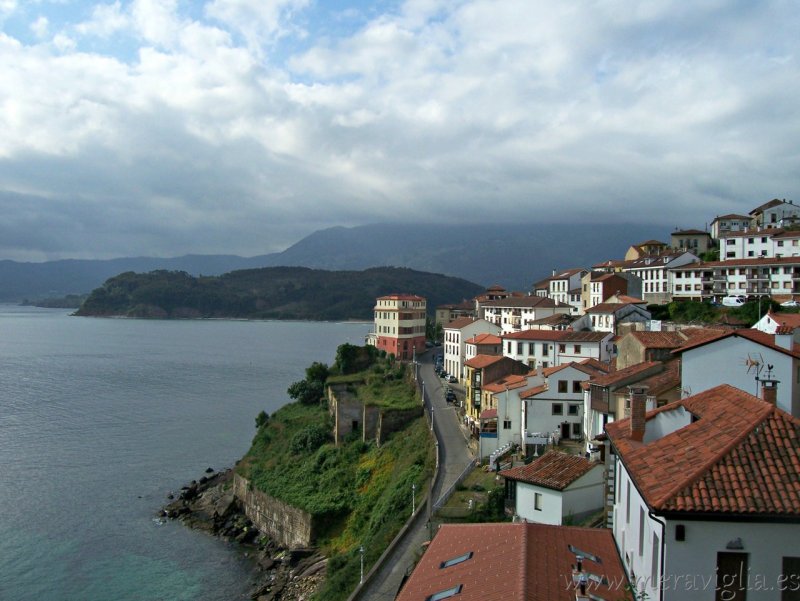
{"x":399,"y":325}
{"x":748,"y":277}
{"x":518,"y":313}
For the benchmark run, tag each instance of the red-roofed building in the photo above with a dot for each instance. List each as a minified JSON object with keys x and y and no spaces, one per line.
{"x":707,"y":488}
{"x":516,"y":313}
{"x":555,"y":488}
{"x":772,"y":321}
{"x":454,"y":345}
{"x":722,"y":224}
{"x":517,"y":562}
{"x":482,"y":370}
{"x":548,"y":348}
{"x":610,"y":317}
{"x":399,"y":325}
{"x":738,"y":357}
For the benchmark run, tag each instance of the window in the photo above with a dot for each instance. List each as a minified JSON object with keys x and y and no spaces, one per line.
{"x":577,"y":348}
{"x":562,"y":386}
{"x":537,"y":501}
{"x":544,"y":349}
{"x":506,"y":424}
{"x":654,"y":559}
{"x":641,"y":531}
{"x":562,"y":348}
{"x":730,"y":242}
{"x":451,"y":592}
{"x":455,"y":560}
{"x":558,"y":409}
{"x":576,"y":387}
{"x":573,"y":409}
{"x":628,"y":502}
{"x":576,"y":429}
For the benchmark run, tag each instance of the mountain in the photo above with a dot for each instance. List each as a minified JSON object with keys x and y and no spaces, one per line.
{"x":512,"y":255}
{"x":269,"y":293}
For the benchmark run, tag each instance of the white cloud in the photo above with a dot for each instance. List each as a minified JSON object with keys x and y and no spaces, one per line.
{"x":259,"y":22}
{"x":40,"y":27}
{"x":106,"y":20}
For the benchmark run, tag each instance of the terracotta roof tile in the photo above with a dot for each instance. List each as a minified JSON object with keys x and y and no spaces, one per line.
{"x":756,"y":336}
{"x":481,"y":361}
{"x":554,"y":469}
{"x":740,"y":455}
{"x":514,"y":562}
{"x":632,"y":373}
{"x":511,"y":382}
{"x":659,"y":340}
{"x":484,"y":339}
{"x":461,"y":322}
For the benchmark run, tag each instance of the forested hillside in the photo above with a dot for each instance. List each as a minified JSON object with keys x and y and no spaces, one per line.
{"x":268,"y":293}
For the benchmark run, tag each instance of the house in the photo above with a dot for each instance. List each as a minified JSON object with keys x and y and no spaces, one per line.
{"x":563,"y":283}
{"x":741,"y":358}
{"x":483,"y":344}
{"x":557,"y":488}
{"x":559,"y":321}
{"x":501,"y":423}
{"x":598,"y":286}
{"x":517,"y":562}
{"x":653,"y":272}
{"x":723,"y":224}
{"x":399,"y":325}
{"x":516,"y":313}
{"x":774,"y":213}
{"x":705,"y":497}
{"x":770,"y":323}
{"x":606,"y":396}
{"x":480,"y":370}
{"x":547,"y":348}
{"x":447,"y":313}
{"x":556,"y":406}
{"x":696,"y":242}
{"x":647,"y":248}
{"x":608,"y":317}
{"x":641,"y":346}
{"x":455,"y":335}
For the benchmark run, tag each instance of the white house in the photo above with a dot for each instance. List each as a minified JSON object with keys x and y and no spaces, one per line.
{"x":548,"y":348}
{"x":607,"y":317}
{"x":455,"y":335}
{"x":563,"y":286}
{"x":770,"y":323}
{"x":740,"y":358}
{"x":653,"y":271}
{"x":705,"y":497}
{"x":557,"y":488}
{"x":775,"y":213}
{"x":516,"y":313}
{"x":723,"y":224}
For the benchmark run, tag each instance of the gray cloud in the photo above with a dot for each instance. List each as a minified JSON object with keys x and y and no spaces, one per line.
{"x":236,"y":131}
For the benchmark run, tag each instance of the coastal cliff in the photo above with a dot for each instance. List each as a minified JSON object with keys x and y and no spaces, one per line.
{"x":306,"y":501}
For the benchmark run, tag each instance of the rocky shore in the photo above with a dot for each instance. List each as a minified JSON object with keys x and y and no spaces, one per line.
{"x":279,"y":574}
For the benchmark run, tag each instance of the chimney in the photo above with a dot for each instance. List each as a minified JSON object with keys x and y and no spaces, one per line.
{"x":769,"y":391}
{"x":638,"y":400}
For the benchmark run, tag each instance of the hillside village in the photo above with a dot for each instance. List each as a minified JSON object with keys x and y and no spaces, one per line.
{"x":684,"y":438}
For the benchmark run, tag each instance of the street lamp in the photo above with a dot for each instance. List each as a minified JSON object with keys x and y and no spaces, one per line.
{"x":413,"y":499}
{"x":361,"y":549}
{"x":431,"y":418}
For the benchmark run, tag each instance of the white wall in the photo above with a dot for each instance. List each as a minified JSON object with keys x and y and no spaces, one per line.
{"x":723,"y":362}
{"x":585,"y":495}
{"x":551,"y":511}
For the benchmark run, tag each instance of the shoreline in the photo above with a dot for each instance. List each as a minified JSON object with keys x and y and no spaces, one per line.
{"x":277,"y":573}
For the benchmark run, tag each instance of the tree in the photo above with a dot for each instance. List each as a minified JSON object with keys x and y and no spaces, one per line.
{"x":307,"y":392}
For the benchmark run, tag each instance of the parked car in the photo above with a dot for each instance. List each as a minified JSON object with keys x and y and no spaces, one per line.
{"x":734,"y":300}
{"x":452,"y":379}
{"x":450,"y":397}
{"x":790,"y":303}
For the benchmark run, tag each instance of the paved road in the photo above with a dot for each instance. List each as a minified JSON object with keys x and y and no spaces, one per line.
{"x":454,"y":457}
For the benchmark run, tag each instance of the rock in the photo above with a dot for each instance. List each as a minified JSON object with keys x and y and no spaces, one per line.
{"x":209,"y":470}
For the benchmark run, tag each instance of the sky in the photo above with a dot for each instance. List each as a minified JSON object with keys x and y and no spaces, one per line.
{"x":166,"y":127}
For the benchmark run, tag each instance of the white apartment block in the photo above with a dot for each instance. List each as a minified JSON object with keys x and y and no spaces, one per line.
{"x":551,"y":348}
{"x":724,"y":224}
{"x":776,"y":243}
{"x":455,"y":336}
{"x":654,"y":274}
{"x":748,"y":277}
{"x":517,"y":313}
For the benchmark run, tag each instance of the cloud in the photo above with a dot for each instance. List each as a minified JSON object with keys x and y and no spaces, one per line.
{"x":235,"y":127}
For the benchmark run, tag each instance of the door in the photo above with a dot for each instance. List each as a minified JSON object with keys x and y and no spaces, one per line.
{"x":565,"y":430}
{"x":731,"y":577}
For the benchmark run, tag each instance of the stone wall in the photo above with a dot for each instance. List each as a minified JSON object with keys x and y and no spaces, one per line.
{"x":394,"y":420}
{"x":287,"y":525}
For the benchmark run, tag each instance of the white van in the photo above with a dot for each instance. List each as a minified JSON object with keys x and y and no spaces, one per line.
{"x":733,"y":300}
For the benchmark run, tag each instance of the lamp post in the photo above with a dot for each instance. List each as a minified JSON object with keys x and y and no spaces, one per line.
{"x":431,"y":418}
{"x":413,"y":499}
{"x":361,"y":550}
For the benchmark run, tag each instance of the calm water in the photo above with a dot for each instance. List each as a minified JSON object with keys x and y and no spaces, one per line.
{"x":101,"y":418}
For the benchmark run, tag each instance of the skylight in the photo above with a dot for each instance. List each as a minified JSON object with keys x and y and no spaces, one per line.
{"x":455,"y":560}
{"x":445,"y":594}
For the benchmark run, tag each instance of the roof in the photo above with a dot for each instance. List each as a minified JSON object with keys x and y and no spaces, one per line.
{"x":461,"y":322}
{"x":624,"y":298}
{"x":481,"y":361}
{"x":731,"y":216}
{"x":489,"y":413}
{"x":768,"y":205}
{"x":525,"y":301}
{"x":668,"y":380}
{"x":753,"y":261}
{"x":554,"y":320}
{"x":395,"y":296}
{"x":557,"y":335}
{"x":651,"y":243}
{"x":484,"y":339}
{"x":597,"y":366}
{"x":754,"y":232}
{"x":690,"y":232}
{"x":658,"y":340}
{"x":515,"y":562}
{"x":740,"y":455}
{"x":632,"y":373}
{"x":507,"y":382}
{"x":555,"y":470}
{"x":757,"y":336}
{"x":791,"y":320}
{"x":532,"y":392}
{"x":609,"y":307}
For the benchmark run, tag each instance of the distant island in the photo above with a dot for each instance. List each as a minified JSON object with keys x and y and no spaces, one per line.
{"x":268,"y":293}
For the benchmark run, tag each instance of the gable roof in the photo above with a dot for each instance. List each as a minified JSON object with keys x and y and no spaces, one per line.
{"x":514,"y":562}
{"x":610,"y":307}
{"x":740,"y":455}
{"x":461,"y":322}
{"x":530,"y":302}
{"x":786,"y":319}
{"x":658,"y":340}
{"x":730,"y":216}
{"x":555,"y":470}
{"x":632,"y":373}
{"x":509,"y":382}
{"x":484,"y":339}
{"x":757,"y":336}
{"x":481,"y":361}
{"x":768,"y":205}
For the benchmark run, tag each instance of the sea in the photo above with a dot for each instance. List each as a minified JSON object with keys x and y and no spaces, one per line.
{"x":101,"y":419}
